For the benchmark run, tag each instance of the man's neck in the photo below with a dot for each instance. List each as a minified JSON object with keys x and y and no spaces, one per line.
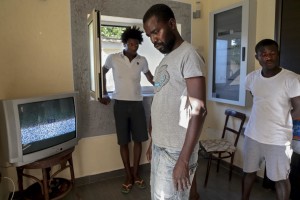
{"x":178,"y":42}
{"x":270,"y":72}
{"x":129,"y":55}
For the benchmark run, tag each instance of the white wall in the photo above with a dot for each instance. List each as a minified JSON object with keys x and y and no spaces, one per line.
{"x":35,"y":51}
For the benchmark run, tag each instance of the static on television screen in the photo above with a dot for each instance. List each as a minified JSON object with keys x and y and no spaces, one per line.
{"x":46,"y":123}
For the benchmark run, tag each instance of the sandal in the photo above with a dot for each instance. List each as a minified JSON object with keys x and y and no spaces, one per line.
{"x":140,"y":183}
{"x":126,"y":188}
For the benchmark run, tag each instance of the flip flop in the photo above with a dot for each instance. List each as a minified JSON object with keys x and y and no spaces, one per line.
{"x":140,"y":183}
{"x":126,"y":188}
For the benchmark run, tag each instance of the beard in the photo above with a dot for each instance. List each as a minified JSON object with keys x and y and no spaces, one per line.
{"x":167,"y":46}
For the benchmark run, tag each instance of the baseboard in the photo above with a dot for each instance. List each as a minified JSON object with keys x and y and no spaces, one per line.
{"x":107,"y":175}
{"x":236,"y":170}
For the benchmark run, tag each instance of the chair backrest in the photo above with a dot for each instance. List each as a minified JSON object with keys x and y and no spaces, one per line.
{"x":234,"y":114}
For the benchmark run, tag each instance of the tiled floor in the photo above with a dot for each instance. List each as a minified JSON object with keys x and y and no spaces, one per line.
{"x":218,"y":188}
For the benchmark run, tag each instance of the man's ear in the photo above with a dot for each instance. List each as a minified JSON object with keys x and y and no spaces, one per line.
{"x":172,"y":23}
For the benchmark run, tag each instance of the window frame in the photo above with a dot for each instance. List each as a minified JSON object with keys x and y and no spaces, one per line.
{"x":96,"y":76}
{"x":246,"y":50}
{"x":147,"y":90}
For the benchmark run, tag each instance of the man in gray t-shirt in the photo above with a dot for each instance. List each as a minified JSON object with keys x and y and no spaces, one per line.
{"x":178,"y":108}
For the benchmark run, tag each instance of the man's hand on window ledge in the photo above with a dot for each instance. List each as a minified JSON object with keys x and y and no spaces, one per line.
{"x":104,"y":100}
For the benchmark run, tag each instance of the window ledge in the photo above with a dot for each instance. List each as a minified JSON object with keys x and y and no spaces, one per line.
{"x":144,"y":94}
{"x":148,"y":94}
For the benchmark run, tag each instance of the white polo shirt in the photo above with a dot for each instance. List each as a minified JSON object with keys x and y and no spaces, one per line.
{"x":127,"y":76}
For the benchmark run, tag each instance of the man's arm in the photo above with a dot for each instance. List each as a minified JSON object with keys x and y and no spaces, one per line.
{"x":105,"y":100}
{"x":149,"y":150}
{"x":104,"y":71}
{"x":149,"y":77}
{"x":295,"y":112}
{"x":197,"y":96}
{"x":296,"y":107}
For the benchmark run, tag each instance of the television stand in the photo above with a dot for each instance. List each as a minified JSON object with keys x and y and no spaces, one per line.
{"x":50,"y":187}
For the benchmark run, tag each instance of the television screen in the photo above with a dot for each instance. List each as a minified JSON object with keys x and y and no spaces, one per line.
{"x":46,"y":123}
{"x":37,"y":127}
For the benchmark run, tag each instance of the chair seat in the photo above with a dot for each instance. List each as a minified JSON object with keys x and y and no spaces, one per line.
{"x":217,"y":145}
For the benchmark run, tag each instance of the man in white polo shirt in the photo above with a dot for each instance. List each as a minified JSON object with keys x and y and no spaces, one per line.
{"x":129,"y":113}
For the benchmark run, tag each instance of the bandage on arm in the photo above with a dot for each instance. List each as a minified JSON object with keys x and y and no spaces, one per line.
{"x":296,"y":129}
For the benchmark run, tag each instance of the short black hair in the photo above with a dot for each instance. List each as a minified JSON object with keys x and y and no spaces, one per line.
{"x":265,"y":42}
{"x":161,"y":11}
{"x":132,"y":33}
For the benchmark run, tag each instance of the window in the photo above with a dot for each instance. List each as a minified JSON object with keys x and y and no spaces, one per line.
{"x":96,"y":89}
{"x":111,"y":29}
{"x":228,"y":61}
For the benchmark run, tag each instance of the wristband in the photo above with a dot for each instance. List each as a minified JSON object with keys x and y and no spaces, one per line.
{"x":296,"y":129}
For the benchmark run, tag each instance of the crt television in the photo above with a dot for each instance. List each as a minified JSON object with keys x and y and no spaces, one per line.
{"x":35,"y":128}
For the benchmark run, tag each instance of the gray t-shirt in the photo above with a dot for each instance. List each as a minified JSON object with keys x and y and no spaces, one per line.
{"x":170,"y":108}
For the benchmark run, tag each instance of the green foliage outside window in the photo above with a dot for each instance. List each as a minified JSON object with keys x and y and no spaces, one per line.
{"x":112,"y":32}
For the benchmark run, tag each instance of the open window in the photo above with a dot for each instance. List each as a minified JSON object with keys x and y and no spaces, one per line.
{"x":105,"y":39}
{"x":96,"y":79}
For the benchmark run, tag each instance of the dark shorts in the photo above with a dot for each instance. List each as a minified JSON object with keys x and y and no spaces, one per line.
{"x":295,"y":176}
{"x":130,"y":121}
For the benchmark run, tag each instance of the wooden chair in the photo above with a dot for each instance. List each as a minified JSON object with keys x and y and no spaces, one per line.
{"x":218,"y":149}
